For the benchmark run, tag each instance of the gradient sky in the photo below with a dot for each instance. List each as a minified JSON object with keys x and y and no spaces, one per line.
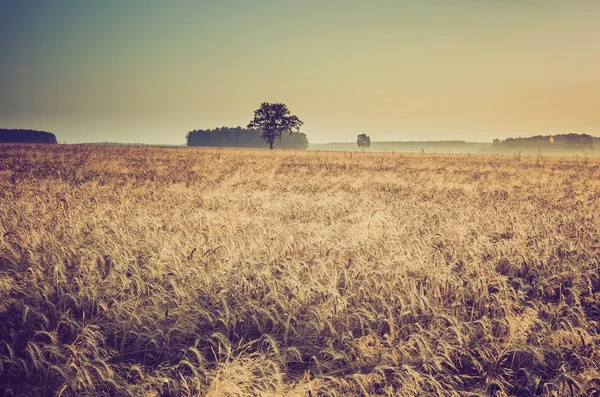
{"x":150,"y":71}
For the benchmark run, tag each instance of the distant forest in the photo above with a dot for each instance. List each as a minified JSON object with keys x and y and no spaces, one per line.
{"x":547,"y":143}
{"x":26,"y":136}
{"x":241,"y":137}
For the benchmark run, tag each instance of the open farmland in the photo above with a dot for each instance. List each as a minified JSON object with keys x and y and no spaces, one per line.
{"x":191,"y":272}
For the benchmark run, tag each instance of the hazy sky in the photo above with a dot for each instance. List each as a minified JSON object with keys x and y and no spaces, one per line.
{"x":150,"y":71}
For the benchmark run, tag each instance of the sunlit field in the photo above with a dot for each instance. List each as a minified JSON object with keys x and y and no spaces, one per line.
{"x":132,"y":271}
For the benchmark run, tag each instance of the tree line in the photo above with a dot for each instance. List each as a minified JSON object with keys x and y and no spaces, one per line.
{"x":243,"y":137}
{"x":26,"y":136}
{"x":575,"y":142}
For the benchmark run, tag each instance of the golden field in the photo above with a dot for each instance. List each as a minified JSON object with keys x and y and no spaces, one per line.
{"x":191,"y":272}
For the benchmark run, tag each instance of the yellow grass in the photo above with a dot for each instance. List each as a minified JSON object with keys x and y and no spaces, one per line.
{"x":184,"y":272}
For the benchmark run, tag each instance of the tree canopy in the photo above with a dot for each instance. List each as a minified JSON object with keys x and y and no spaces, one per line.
{"x":363,"y":141}
{"x":274,"y":120}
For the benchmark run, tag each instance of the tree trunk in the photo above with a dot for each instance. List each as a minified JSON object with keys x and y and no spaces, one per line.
{"x":271,"y":144}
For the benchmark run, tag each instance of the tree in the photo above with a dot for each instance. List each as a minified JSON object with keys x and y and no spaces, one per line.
{"x":274,"y":119}
{"x":363,"y":141}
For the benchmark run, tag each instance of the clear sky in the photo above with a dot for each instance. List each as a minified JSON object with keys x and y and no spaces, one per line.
{"x":150,"y":71}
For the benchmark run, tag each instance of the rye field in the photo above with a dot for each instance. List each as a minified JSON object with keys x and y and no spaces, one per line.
{"x":139,"y":271}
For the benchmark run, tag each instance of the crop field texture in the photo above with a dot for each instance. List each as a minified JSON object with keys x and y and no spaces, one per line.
{"x":192,"y":272}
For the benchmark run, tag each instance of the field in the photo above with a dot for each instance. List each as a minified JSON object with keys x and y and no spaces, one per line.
{"x":194,"y":272}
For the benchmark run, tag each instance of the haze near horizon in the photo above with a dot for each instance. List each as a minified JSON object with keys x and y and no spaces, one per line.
{"x":149,"y":72}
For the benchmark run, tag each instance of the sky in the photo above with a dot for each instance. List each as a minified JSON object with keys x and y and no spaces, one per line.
{"x":146,"y":71}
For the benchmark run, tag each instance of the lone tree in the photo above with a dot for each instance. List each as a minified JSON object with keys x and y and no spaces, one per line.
{"x":363,"y":141}
{"x":274,"y":119}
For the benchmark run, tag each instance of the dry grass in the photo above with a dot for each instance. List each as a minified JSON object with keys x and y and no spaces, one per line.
{"x":177,"y":272}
